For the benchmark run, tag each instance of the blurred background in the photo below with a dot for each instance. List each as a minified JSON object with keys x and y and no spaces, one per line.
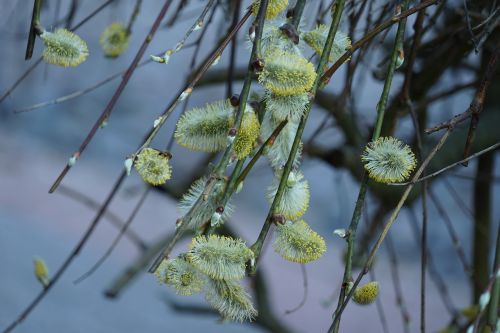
{"x":36,"y":144}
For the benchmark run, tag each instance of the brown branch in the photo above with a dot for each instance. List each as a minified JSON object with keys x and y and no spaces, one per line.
{"x":476,"y":106}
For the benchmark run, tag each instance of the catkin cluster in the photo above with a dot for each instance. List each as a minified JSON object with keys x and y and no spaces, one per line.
{"x":214,"y":264}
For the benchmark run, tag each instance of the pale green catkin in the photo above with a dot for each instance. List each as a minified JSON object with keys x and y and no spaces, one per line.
{"x":219,"y":257}
{"x":297,"y":242}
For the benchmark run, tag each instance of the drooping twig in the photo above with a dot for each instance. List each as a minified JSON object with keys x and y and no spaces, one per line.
{"x":113,"y":218}
{"x":304,"y":296}
{"x":453,"y":233}
{"x":477,"y":104}
{"x":436,"y":173}
{"x":396,"y":281}
{"x":67,"y":262}
{"x":257,"y":246}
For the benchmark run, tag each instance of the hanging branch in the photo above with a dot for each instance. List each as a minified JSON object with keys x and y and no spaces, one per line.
{"x":109,"y":107}
{"x":257,"y":246}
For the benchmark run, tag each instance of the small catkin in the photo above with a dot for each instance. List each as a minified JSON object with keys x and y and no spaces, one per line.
{"x":41,"y":271}
{"x":64,"y":48}
{"x":366,"y":294}
{"x":231,"y":300}
{"x":181,"y":275}
{"x":114,"y":40}
{"x":316,"y":39}
{"x":388,"y":160}
{"x":153,"y":166}
{"x":274,"y":7}
{"x":219,"y":257}
{"x":297,"y":242}
{"x":286,"y":73}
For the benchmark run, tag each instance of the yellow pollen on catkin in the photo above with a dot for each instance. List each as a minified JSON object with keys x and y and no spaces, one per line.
{"x":388,"y":160}
{"x":366,"y":294}
{"x":247,"y":135}
{"x":64,"y":48}
{"x":274,"y":7}
{"x":297,"y":242}
{"x":316,"y":39}
{"x":153,"y":166}
{"x":114,"y":40}
{"x":286,"y":73}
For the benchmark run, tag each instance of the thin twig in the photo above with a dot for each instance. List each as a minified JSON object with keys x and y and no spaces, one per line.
{"x":396,"y":281}
{"x":371,"y":34}
{"x":74,"y":253}
{"x":304,"y":297}
{"x":434,"y":174}
{"x":113,"y":218}
{"x":453,"y":233}
{"x":117,"y":239}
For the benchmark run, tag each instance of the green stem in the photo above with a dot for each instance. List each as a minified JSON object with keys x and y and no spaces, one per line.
{"x":35,"y":29}
{"x":381,"y":106}
{"x":257,"y":246}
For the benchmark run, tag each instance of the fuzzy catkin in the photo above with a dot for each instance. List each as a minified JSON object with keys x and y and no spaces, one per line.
{"x":286,"y":73}
{"x":247,"y":134}
{"x":295,"y":199}
{"x":274,"y":7}
{"x":153,"y":166}
{"x":297,"y":242}
{"x":219,"y":257}
{"x":366,"y":294}
{"x":181,"y":275}
{"x":231,"y":300}
{"x":64,"y":48}
{"x":316,"y":39}
{"x":114,"y":40}
{"x":280,"y":150}
{"x":388,"y":160}
{"x":205,"y":208}
{"x":205,"y":129}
